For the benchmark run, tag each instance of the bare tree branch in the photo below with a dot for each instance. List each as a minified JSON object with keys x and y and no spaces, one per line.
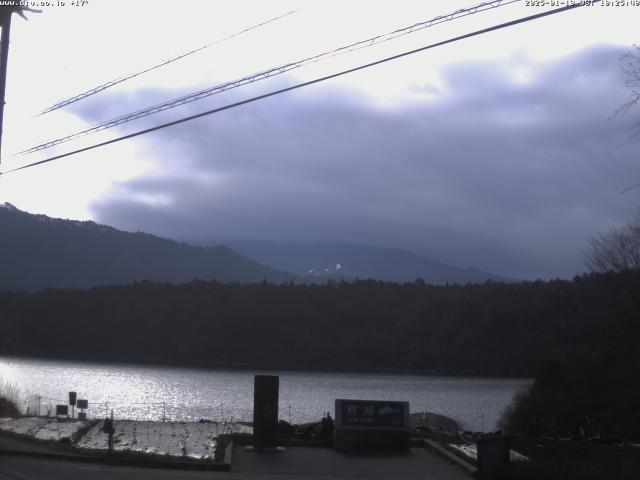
{"x":631,"y":70}
{"x":617,"y":250}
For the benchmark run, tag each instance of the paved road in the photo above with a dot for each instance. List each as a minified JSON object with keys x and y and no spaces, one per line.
{"x":25,"y":468}
{"x":11,"y":442}
{"x":326,"y":463}
{"x":294,"y":463}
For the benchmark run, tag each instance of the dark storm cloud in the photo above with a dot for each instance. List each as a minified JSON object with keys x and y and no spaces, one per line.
{"x":493,"y":173}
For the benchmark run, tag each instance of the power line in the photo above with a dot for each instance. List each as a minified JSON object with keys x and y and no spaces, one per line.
{"x":628,"y":189}
{"x":270,"y":73}
{"x":111,"y":83}
{"x":304,"y":84}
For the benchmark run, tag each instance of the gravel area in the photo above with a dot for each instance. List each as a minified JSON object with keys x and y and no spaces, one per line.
{"x":41,"y":428}
{"x":177,"y":439}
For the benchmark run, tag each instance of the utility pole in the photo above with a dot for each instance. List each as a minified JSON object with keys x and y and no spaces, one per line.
{"x":6,"y":11}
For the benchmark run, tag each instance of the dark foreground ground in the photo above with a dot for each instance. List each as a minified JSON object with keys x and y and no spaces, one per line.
{"x":294,"y":462}
{"x":550,"y":460}
{"x":579,"y":460}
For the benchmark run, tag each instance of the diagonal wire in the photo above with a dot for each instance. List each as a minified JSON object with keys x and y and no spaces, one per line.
{"x":270,"y":73}
{"x":304,"y":84}
{"x":628,"y":189}
{"x":116,"y":81}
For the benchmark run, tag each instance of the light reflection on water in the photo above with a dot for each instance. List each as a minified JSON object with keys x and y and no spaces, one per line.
{"x":152,"y":392}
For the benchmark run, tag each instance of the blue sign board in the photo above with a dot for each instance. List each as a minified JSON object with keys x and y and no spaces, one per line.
{"x":372,"y":414}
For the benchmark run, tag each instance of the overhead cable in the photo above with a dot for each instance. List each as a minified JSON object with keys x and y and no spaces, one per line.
{"x":269,"y":73}
{"x":304,"y":84}
{"x":116,"y":81}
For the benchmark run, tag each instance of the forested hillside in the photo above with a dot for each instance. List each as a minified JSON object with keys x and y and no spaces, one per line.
{"x":483,"y":329}
{"x":39,"y":252}
{"x":318,"y":261}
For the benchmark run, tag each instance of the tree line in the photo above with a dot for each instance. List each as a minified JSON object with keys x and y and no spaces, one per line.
{"x":480,"y":329}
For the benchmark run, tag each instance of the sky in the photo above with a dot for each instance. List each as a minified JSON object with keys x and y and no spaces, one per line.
{"x":500,"y":152}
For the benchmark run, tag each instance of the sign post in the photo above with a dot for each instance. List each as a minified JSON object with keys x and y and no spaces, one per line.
{"x":82,"y":405}
{"x":62,"y":410}
{"x":72,"y":402}
{"x":109,"y":429}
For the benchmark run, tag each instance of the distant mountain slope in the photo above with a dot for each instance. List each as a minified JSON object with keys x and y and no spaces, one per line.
{"x":38,"y":252}
{"x":317,"y":260}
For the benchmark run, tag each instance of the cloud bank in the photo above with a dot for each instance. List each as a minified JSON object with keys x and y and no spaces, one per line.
{"x":504,"y":166}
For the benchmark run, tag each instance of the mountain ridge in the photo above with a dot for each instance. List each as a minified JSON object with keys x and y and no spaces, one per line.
{"x":334,"y":260}
{"x":37,"y":252}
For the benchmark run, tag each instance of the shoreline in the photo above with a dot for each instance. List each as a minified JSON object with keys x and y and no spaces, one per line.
{"x":252,"y":367}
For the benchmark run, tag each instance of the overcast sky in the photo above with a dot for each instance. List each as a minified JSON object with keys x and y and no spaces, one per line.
{"x":497,"y":152}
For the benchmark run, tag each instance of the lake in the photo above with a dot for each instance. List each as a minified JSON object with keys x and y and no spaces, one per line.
{"x":187,"y":394}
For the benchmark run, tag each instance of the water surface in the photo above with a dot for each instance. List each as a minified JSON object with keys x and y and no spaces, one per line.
{"x":156,"y":392}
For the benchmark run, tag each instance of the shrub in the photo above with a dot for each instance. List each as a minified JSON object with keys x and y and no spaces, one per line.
{"x":580,"y":399}
{"x":8,"y":408}
{"x":8,"y":400}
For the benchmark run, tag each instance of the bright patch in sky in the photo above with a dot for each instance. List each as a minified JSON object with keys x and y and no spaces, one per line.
{"x":507,"y":78}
